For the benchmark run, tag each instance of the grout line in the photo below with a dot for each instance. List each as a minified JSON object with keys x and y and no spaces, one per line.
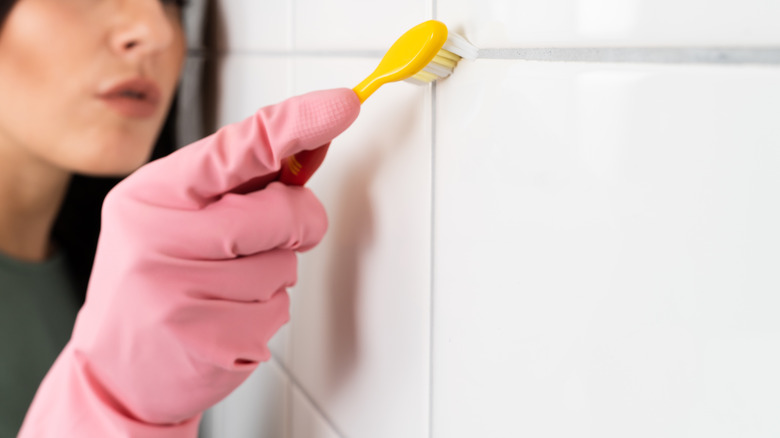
{"x":435,"y":15}
{"x":288,"y":392}
{"x":643,"y":55}
{"x":292,"y":42}
{"x":279,"y":365}
{"x":431,"y":339}
{"x":294,"y":382}
{"x":653,"y":55}
{"x":288,"y":53}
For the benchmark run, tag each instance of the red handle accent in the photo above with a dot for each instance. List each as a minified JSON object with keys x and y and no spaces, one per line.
{"x":297,"y":169}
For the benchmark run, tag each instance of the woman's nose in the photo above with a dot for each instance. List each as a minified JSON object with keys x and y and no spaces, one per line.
{"x":143,"y":28}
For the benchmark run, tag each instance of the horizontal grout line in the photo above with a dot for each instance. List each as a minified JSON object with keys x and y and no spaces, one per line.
{"x":290,"y":53}
{"x":651,"y":55}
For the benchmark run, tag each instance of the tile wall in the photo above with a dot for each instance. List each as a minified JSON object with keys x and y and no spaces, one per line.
{"x":573,"y":236}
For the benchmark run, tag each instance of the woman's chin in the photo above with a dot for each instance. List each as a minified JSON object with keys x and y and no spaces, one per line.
{"x":106,"y":168}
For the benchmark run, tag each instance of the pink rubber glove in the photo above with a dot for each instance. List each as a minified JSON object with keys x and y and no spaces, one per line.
{"x":190,"y":279}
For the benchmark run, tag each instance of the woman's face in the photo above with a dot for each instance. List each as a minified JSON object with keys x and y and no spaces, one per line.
{"x":85,"y":85}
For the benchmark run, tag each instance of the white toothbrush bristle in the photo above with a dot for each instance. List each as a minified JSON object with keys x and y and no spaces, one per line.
{"x":445,"y":61}
{"x":440,"y":70}
{"x":417,"y":80}
{"x":461,"y":47}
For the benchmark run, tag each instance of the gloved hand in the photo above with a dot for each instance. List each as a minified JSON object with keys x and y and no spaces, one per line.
{"x":190,"y":279}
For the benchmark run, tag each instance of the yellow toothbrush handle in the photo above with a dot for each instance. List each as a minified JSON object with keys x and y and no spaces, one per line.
{"x":409,"y":55}
{"x":367,"y":87}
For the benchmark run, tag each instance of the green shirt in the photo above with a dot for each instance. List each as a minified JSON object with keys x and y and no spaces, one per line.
{"x":38,"y":307}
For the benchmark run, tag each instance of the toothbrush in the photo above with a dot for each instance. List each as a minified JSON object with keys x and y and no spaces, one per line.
{"x":425,"y":53}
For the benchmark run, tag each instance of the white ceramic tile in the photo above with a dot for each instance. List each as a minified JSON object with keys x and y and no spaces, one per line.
{"x":606,"y":251}
{"x":259,"y":408}
{"x":307,"y":422}
{"x":360,"y":324}
{"x":245,"y":84}
{"x":354,"y":24}
{"x":524,"y":23}
{"x":251,"y":25}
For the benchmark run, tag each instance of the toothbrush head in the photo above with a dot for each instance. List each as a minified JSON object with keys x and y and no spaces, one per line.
{"x":420,"y":55}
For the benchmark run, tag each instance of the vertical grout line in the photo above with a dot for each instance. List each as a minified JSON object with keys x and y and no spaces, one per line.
{"x":291,"y":40}
{"x":432,"y":301}
{"x":290,"y":66}
{"x":293,"y":384}
{"x":431,"y":339}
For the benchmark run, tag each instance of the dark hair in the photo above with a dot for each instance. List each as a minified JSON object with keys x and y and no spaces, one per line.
{"x":77,"y":226}
{"x":5,"y":8}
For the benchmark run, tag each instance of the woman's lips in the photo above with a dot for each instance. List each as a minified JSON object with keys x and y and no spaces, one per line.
{"x":136,"y":98}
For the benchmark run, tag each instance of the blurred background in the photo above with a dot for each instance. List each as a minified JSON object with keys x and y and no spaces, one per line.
{"x":575,"y":235}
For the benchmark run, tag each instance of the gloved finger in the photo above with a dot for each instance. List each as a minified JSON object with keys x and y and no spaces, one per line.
{"x":196,"y":175}
{"x":249,"y":279}
{"x":230,"y":334}
{"x":278,"y":217}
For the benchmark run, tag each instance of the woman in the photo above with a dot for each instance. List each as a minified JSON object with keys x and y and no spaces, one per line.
{"x":196,"y":249}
